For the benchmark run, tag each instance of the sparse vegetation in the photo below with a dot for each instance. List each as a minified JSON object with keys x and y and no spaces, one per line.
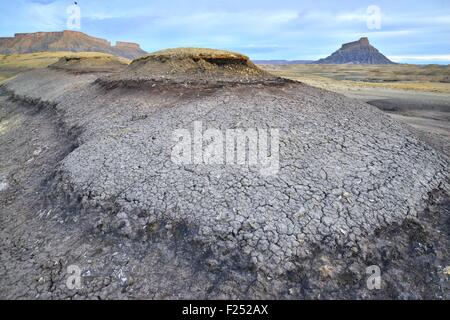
{"x":192,"y":65}
{"x":90,"y":64}
{"x":205,"y":53}
{"x":3,"y":78}
{"x":432,"y":78}
{"x":10,"y":65}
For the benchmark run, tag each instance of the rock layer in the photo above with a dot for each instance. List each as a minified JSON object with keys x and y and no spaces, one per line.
{"x":192,"y":65}
{"x":66,"y":41}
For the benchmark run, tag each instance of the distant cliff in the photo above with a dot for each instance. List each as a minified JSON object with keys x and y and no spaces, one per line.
{"x":67,"y":41}
{"x":357,"y":52}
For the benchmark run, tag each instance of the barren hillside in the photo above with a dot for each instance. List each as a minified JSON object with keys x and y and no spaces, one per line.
{"x":89,"y":177}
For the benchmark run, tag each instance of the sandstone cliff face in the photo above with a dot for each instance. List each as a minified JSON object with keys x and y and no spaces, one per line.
{"x":66,"y":41}
{"x":128,"y":50}
{"x":357,"y":52}
{"x":127,"y":45}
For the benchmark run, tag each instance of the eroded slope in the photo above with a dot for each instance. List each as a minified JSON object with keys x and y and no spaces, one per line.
{"x":346,"y":171}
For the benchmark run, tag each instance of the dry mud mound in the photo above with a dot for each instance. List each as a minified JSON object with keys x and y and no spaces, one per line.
{"x":101,"y":63}
{"x":191,"y":65}
{"x":344,"y":186}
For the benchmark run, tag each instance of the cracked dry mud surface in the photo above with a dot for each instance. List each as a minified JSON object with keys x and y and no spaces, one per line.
{"x":88,"y":180}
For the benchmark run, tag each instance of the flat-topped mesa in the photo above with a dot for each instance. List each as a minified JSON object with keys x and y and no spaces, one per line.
{"x":124,"y":44}
{"x":62,"y":37}
{"x":363,"y":42}
{"x":192,"y":65}
{"x":67,"y":40}
{"x":356,"y":52}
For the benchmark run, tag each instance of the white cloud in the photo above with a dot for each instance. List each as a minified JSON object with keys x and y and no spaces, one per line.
{"x":45,"y":16}
{"x":426,"y":57}
{"x":256,"y":18}
{"x":351,"y":17}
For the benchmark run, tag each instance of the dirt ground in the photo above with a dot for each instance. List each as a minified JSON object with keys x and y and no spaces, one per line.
{"x":86,"y":182}
{"x":416,"y":95}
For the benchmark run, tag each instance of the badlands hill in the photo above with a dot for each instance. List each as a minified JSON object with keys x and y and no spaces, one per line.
{"x":93,"y":175}
{"x":66,"y":41}
{"x":90,"y":64}
{"x":357,"y":52}
{"x":192,"y":65}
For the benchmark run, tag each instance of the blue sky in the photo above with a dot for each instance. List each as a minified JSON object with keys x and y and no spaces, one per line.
{"x":410,"y":31}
